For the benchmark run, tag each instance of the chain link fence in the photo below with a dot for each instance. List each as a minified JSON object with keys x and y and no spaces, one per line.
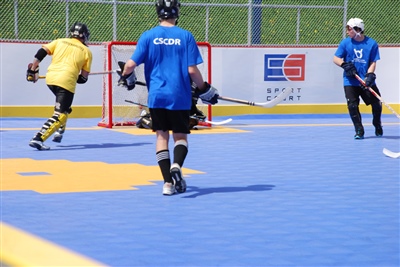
{"x":219,"y":22}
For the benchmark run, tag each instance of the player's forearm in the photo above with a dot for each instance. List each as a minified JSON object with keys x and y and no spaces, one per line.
{"x":338,"y":61}
{"x":129,"y":67}
{"x":196,"y":77}
{"x":371,"y":67}
{"x":35,"y":64}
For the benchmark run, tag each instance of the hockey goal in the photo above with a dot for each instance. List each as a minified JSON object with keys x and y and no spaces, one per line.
{"x":122,"y":107}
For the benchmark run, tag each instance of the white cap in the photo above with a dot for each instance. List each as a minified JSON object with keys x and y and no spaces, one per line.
{"x":356,"y":22}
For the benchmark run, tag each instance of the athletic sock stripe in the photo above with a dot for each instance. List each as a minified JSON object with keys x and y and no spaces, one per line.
{"x":162,"y":155}
{"x":181,"y":142}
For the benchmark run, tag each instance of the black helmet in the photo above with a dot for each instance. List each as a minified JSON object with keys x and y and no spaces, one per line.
{"x":168,"y":9}
{"x":80,"y":30}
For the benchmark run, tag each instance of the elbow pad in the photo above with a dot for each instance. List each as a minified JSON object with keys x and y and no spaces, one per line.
{"x":81,"y":79}
{"x":41,"y":53}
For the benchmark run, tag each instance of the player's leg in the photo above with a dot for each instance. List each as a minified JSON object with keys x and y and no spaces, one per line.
{"x":180,"y":131}
{"x":48,"y":128}
{"x":58,"y":135}
{"x":161,"y":126}
{"x":64,"y":100}
{"x":352,"y":94}
{"x":164,"y":161}
{"x":376,"y":107}
{"x":376,"y":114}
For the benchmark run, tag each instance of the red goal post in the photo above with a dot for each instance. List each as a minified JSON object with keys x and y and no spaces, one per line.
{"x":116,"y":111}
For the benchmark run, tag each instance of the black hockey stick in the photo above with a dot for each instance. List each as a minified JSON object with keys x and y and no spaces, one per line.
{"x":199,"y":121}
{"x":136,"y":103}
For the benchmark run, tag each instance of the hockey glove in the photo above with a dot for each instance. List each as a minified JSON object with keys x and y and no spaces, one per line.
{"x":81,"y":79}
{"x":128,"y":81}
{"x":349,"y":69}
{"x":370,"y":79}
{"x":145,"y":121}
{"x":209,"y":95}
{"x":32,"y":75}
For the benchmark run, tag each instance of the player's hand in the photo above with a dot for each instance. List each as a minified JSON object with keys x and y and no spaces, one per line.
{"x":209,"y":95}
{"x":370,"y":79}
{"x":128,"y":81}
{"x":32,"y":75}
{"x":349,"y":69}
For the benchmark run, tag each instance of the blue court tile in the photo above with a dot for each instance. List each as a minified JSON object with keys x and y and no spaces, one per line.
{"x":290,"y":191}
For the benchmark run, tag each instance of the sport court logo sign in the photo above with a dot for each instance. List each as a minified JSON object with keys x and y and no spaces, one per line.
{"x":284,"y":67}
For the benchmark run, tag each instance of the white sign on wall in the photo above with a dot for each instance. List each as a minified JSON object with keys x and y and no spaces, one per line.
{"x":259,"y":74}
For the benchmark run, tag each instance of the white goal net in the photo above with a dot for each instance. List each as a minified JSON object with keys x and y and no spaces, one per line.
{"x":122,"y":107}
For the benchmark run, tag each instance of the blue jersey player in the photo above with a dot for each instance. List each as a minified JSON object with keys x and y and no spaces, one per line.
{"x":170,"y":56}
{"x":358,"y":54}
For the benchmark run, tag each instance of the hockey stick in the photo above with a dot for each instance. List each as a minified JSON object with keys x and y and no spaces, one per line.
{"x":391,"y":154}
{"x":216,"y":123}
{"x":376,"y":95}
{"x":92,"y":73}
{"x":205,"y":121}
{"x":268,"y":104}
{"x":136,"y":103}
{"x":102,"y":73}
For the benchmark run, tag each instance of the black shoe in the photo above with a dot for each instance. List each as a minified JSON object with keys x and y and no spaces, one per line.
{"x":378,"y":131}
{"x":176,"y":174}
{"x":359,"y":134}
{"x":38,"y":145}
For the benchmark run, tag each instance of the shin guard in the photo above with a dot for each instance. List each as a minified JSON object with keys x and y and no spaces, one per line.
{"x":52,"y":125}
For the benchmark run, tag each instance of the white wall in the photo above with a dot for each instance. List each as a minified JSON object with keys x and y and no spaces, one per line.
{"x":239,"y":73}
{"x":15,"y":90}
{"x":236,"y":72}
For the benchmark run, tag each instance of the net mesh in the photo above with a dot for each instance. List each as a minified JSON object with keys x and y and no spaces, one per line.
{"x":124,"y":108}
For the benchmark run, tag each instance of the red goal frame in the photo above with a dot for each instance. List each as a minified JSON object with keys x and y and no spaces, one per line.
{"x":107,"y":110}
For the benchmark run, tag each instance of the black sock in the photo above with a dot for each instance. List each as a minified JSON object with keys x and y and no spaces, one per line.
{"x":165,"y":164}
{"x":180,"y":152}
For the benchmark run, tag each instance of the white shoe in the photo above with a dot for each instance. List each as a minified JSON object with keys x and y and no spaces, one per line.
{"x":168,"y":189}
{"x":176,"y":174}
{"x":38,"y":145}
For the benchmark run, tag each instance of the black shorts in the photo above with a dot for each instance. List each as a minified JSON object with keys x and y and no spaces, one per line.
{"x":64,"y":98}
{"x":176,"y":121}
{"x":353,"y":93}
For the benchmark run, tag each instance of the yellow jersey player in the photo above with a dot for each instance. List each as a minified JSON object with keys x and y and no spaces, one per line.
{"x":70,"y":64}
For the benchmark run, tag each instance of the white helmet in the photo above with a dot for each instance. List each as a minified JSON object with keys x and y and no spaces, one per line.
{"x":356,"y":22}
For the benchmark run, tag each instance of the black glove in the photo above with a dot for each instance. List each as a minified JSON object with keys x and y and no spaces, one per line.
{"x":370,"y":79}
{"x":81,"y":79}
{"x":32,"y":75}
{"x":209,"y":95}
{"x":349,"y":69}
{"x":128,"y":81}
